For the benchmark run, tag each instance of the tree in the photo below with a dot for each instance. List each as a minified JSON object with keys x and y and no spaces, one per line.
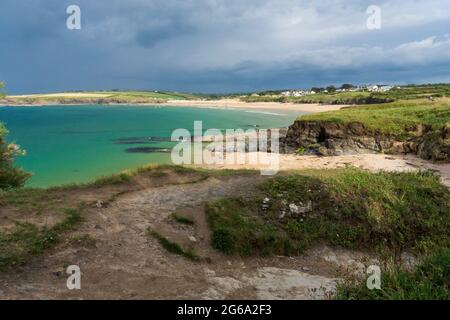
{"x":317,"y":89}
{"x":347,"y":86}
{"x":331,"y":89}
{"x":10,"y":176}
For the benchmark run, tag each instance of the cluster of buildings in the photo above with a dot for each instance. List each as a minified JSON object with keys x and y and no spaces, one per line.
{"x":379,"y":88}
{"x":370,"y":88}
{"x":296,"y":93}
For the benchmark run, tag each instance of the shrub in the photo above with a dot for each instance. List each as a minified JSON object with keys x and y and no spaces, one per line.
{"x":10,"y":177}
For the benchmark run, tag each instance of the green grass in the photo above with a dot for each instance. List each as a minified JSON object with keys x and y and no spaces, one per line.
{"x":27,"y":240}
{"x":25,"y":198}
{"x":173,"y":247}
{"x":151,"y":95}
{"x":104,"y":97}
{"x":360,"y":97}
{"x":84,"y":241}
{"x":127,"y":176}
{"x":418,"y":92}
{"x":391,"y":118}
{"x":355,"y":209}
{"x":182,"y":219}
{"x":428,"y":281}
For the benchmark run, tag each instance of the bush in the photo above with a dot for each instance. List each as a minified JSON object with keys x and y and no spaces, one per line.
{"x":10,"y":177}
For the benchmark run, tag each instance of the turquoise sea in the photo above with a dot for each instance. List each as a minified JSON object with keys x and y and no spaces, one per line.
{"x":74,"y":144}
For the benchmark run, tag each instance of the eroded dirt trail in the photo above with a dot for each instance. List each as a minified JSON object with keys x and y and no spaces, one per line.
{"x":127,"y":263}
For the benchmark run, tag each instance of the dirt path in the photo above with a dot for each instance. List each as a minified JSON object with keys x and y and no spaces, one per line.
{"x":126,"y":263}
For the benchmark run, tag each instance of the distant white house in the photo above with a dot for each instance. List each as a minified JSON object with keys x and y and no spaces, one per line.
{"x":377,"y":88}
{"x":385,"y":88}
{"x":293,"y":93}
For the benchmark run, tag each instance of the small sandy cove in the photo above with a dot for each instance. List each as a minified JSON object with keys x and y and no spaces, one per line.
{"x":237,"y":104}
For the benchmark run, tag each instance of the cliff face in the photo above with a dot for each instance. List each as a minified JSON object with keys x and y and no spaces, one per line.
{"x":333,"y":138}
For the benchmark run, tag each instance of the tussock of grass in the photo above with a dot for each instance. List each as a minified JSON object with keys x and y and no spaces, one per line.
{"x":182,"y":219}
{"x":387,"y":212}
{"x":173,"y":247}
{"x":428,"y":281}
{"x":127,"y":176}
{"x":27,"y":239}
{"x":237,"y":230}
{"x":26,"y":198}
{"x":85,"y":241}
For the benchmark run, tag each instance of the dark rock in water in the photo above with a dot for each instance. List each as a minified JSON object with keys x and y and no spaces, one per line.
{"x":141,"y":140}
{"x":148,"y":150}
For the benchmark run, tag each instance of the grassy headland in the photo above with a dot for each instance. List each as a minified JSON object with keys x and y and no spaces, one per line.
{"x":391,"y":118}
{"x":99,"y":97}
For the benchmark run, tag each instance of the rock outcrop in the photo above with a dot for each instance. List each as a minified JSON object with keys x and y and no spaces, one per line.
{"x":333,"y":138}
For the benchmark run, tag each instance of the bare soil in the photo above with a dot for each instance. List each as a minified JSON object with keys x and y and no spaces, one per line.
{"x":127,"y":263}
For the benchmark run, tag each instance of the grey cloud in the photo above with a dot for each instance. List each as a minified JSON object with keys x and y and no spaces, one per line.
{"x":219,"y":45}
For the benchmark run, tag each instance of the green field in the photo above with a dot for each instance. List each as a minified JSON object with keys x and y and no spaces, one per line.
{"x":392,"y":118}
{"x":102,"y":97}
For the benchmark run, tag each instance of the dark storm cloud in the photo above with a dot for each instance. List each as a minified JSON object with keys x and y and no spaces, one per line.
{"x":220,"y":45}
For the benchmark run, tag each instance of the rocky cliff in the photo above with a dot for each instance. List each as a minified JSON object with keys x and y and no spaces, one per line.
{"x":334,"y":138}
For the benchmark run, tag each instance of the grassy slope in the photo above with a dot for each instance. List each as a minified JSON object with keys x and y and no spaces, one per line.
{"x":25,"y":240}
{"x":385,"y":213}
{"x":388,"y":212}
{"x":324,"y":98}
{"x":428,"y":281}
{"x":392,"y":118}
{"x":362,"y":97}
{"x":120,"y":96}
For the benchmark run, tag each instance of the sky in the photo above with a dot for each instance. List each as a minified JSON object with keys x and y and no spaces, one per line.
{"x":217,"y":46}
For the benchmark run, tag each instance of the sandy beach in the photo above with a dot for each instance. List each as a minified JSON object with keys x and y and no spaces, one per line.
{"x":213,"y":104}
{"x":236,"y":103}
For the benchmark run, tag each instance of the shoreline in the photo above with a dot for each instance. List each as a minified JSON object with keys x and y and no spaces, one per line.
{"x":207,"y":104}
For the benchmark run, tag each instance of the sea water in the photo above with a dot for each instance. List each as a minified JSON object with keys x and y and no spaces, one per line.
{"x":75,"y":144}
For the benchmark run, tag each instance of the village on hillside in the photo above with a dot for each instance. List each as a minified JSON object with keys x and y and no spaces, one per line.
{"x":330,"y":89}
